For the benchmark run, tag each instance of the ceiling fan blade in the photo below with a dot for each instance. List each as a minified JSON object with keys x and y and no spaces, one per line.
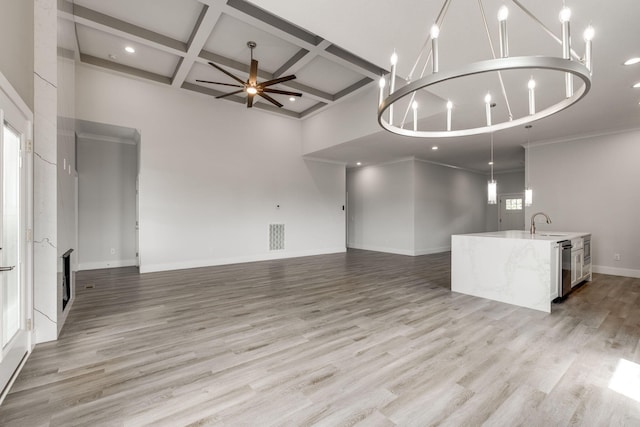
{"x":250,"y":100}
{"x":229,"y":94}
{"x":219,"y":83}
{"x":278,"y":80}
{"x":281,"y":92}
{"x":270,"y":99}
{"x":253,"y":73}
{"x":227,"y":73}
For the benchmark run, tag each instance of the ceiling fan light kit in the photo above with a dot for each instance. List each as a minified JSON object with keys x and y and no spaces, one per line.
{"x":251,"y":87}
{"x":569,"y":63}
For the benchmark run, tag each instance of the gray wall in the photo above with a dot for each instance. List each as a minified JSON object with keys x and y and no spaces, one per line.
{"x":107,"y":174}
{"x":381,"y":207}
{"x":447,"y":201}
{"x":591,"y":185}
{"x":413,"y":207}
{"x":16,"y":49}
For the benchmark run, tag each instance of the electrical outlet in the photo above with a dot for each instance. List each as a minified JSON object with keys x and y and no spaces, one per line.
{"x":616,"y":257}
{"x":113,"y":251}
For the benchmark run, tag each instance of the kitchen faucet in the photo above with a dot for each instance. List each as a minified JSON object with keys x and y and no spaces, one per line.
{"x":533,"y":221}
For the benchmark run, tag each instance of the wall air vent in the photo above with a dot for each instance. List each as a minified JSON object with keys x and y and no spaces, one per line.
{"x":276,"y":237}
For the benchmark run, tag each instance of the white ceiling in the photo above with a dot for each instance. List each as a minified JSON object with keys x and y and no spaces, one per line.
{"x":338,"y":48}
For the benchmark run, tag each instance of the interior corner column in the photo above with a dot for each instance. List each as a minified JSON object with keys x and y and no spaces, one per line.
{"x":45,"y":252}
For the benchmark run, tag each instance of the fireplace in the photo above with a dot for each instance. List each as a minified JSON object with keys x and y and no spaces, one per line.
{"x":66,"y":278}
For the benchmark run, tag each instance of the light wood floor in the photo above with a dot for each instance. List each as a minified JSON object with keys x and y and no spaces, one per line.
{"x":361,"y":338}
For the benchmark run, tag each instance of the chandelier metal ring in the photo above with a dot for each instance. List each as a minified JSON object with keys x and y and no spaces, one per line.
{"x":492,"y":65}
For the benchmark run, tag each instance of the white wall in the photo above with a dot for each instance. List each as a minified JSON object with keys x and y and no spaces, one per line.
{"x":67,"y":177}
{"x":507,"y":183}
{"x":212,"y":174}
{"x":353,"y":118}
{"x":413,"y":207}
{"x":381,"y":207}
{"x":591,"y":185}
{"x":447,"y":201}
{"x":107,"y":174}
{"x":356,"y":117}
{"x":16,"y":47}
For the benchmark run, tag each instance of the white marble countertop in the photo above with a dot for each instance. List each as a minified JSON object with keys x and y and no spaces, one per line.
{"x":541,"y":235}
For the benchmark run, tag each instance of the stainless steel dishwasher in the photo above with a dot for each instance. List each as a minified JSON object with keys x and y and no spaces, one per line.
{"x":564,"y":284}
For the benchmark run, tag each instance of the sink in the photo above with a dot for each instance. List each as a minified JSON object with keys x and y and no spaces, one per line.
{"x":551,"y":235}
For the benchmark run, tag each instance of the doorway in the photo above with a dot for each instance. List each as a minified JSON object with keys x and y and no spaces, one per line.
{"x":16,"y":299}
{"x":108,"y":208}
{"x":511,"y":211}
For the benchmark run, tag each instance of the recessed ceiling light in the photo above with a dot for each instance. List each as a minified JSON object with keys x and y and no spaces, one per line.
{"x":130,"y":49}
{"x":637,"y":85}
{"x":434,"y":148}
{"x":292,"y":98}
{"x":632,"y":61}
{"x":359,"y":164}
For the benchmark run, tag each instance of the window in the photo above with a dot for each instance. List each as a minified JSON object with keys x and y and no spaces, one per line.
{"x":514,"y":204}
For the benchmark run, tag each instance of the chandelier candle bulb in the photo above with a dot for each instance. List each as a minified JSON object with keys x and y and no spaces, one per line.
{"x":503,"y":14}
{"x":392,"y":83}
{"x":532,"y":96}
{"x":565,"y":15}
{"x":415,"y":116}
{"x":382,"y":84}
{"x":435,"y":32}
{"x":487,"y":107}
{"x":449,"y":108}
{"x":588,"y":37}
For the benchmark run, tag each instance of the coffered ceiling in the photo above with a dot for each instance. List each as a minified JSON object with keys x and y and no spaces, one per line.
{"x":175,"y":40}
{"x":338,"y":49}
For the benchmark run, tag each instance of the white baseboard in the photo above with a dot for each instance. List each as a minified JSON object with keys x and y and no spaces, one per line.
{"x":383,"y":249}
{"x":14,"y":376}
{"x":402,"y":251}
{"x":433,"y":250}
{"x":151,"y":268}
{"x":107,"y":264}
{"x":627,"y":272}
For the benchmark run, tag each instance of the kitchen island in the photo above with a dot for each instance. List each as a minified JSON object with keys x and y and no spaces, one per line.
{"x":513,"y":266}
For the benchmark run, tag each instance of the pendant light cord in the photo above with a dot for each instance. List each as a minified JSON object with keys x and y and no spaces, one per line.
{"x":528,"y":157}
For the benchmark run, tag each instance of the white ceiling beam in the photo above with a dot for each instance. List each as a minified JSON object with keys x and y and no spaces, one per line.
{"x":267,"y":28}
{"x":349,"y":65}
{"x":302,"y":62}
{"x":207,"y":20}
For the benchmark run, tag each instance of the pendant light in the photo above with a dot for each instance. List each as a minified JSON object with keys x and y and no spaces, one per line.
{"x":492,"y":188}
{"x":528,"y":192}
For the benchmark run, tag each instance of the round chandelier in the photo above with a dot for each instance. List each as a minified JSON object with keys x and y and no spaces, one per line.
{"x":569,"y":63}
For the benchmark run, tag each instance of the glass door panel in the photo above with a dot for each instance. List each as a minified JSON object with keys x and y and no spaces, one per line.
{"x":14,"y":294}
{"x":10,"y":236}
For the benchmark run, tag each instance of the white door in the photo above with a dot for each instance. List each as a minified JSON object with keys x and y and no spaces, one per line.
{"x":511,"y":212}
{"x":15,"y":295}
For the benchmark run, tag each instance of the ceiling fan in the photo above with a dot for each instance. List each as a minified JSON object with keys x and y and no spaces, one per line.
{"x":251,"y":86}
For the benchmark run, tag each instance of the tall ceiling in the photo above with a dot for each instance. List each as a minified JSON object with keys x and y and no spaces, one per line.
{"x":338,"y":49}
{"x":175,"y":39}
